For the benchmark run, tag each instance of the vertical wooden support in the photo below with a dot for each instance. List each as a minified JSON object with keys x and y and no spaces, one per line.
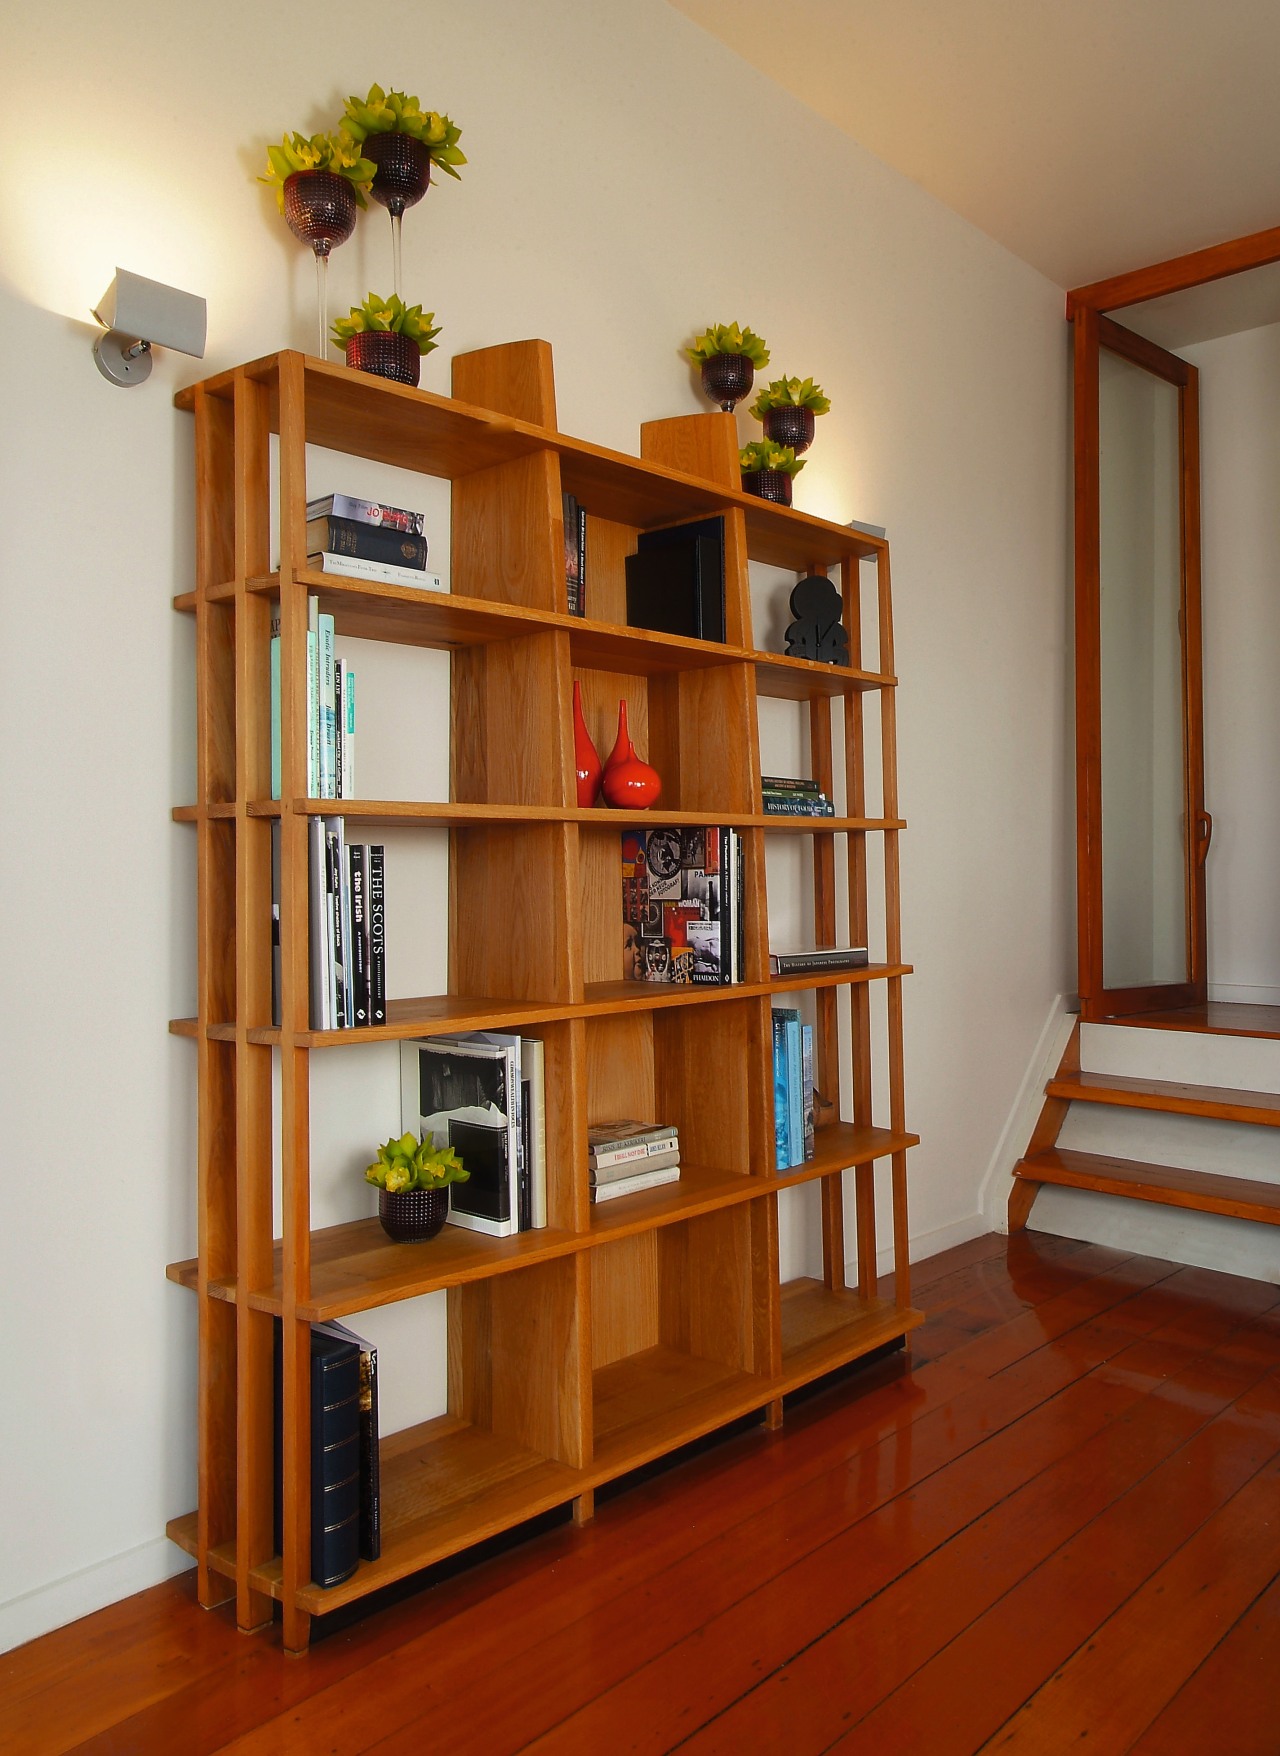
{"x":826,"y":1060}
{"x":253,"y":968}
{"x":295,"y":1119}
{"x":859,"y":996}
{"x":215,"y":1003}
{"x":893,"y":925}
{"x":515,"y":378}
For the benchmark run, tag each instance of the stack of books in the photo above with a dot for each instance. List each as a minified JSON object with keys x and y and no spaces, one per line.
{"x":575,"y":554}
{"x":348,"y":928}
{"x":627,"y":1157}
{"x":366,"y":540}
{"x":682,"y":905}
{"x":331,"y":711}
{"x":792,"y":1088}
{"x":784,"y":797}
{"x":484,"y":1094}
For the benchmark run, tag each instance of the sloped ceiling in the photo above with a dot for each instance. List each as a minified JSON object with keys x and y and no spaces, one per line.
{"x":1089,"y":138}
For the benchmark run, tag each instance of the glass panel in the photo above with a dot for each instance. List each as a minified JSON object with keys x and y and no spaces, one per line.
{"x":1144,"y":864}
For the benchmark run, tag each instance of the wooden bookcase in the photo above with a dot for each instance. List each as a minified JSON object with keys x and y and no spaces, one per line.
{"x":578,"y":1352}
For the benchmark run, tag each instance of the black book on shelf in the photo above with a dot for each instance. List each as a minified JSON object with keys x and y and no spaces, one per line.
{"x":675,"y":580}
{"x":370,"y":1457}
{"x":376,"y":914}
{"x":335,"y":1455}
{"x":369,"y":542}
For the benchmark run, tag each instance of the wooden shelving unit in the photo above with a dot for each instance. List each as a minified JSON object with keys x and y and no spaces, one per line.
{"x":579,"y":1352}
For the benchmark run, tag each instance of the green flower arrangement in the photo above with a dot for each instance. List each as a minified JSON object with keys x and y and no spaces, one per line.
{"x":410,"y":1163}
{"x":790,"y":393}
{"x":391,"y":112}
{"x":727,"y":338}
{"x":389,"y":317}
{"x":337,"y":153}
{"x":764,"y":454}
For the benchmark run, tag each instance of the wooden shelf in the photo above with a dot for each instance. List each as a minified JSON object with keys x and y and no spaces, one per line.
{"x":825,"y":1327}
{"x":622,"y":1331}
{"x":1169,"y":1185}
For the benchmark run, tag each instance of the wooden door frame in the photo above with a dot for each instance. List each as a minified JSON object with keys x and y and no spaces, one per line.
{"x":1092,"y":332}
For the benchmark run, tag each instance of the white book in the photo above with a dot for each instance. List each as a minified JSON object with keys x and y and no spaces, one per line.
{"x":463,"y":1093}
{"x":313,"y":697}
{"x":347,"y":1016}
{"x":385,"y":572}
{"x":319,"y":935}
{"x":328,"y":712}
{"x":533,"y":1060}
{"x":634,"y":1185}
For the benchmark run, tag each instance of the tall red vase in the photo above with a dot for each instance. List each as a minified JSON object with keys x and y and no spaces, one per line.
{"x":586,"y":757}
{"x":627,"y":783}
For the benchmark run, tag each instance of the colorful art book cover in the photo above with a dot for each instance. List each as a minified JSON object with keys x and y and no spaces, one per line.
{"x":671,"y":906}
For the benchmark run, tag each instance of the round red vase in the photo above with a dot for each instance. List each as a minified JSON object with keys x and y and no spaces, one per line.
{"x":627,"y":783}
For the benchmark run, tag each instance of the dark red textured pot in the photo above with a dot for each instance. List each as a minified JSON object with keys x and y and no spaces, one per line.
{"x":320,"y":208}
{"x":727,"y":378}
{"x":404,"y":169}
{"x":385,"y":355}
{"x":411,"y":1216}
{"x":768,"y":484}
{"x":790,"y":426}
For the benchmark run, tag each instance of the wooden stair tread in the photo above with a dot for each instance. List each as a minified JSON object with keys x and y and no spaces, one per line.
{"x":1172,"y":1185}
{"x":1222,"y":1103}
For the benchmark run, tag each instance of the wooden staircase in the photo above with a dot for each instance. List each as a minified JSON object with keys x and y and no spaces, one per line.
{"x":1170,"y":1185}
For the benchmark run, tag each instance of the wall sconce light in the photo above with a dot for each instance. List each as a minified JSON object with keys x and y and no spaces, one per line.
{"x":137,"y":314}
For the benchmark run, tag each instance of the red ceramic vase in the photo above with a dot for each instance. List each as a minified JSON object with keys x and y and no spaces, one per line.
{"x":585,"y":755}
{"x":627,"y":783}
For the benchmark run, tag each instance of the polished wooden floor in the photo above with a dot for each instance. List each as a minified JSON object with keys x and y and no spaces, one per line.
{"x":1060,"y":1530}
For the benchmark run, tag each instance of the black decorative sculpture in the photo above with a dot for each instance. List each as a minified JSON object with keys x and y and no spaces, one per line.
{"x":817,"y":632}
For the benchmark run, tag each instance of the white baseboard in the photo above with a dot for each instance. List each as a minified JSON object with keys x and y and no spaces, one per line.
{"x":1242,"y":994}
{"x":93,"y":1588}
{"x":1023,"y":1115}
{"x":925,"y":1244}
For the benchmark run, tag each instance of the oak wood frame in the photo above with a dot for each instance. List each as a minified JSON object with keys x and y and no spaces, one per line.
{"x":683,"y":1280}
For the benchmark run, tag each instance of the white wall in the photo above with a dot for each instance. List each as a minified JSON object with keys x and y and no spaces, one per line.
{"x":1240,"y":467}
{"x":630,"y":182}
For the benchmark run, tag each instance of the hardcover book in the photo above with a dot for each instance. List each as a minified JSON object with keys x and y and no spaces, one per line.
{"x":335,"y":1455}
{"x":371,"y":542}
{"x":465,"y":1094}
{"x":370,"y":1460}
{"x":619,"y":1169}
{"x":673,"y":900}
{"x":371,"y":512}
{"x":633,"y":1185}
{"x":377,"y":935}
{"x":575,"y":554}
{"x":355,"y":567}
{"x":798,"y":963}
{"x":675,"y":580}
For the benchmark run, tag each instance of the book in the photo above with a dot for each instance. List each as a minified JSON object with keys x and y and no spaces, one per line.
{"x":346,"y":1012}
{"x":796,"y":805}
{"x":781,"y":1103}
{"x":334,"y":1392}
{"x":346,"y":506}
{"x":347,"y":764}
{"x":619,"y":1169}
{"x":377,"y":934}
{"x":359,"y":954}
{"x":575,"y":554}
{"x":313,"y":698}
{"x":533,"y":1059}
{"x":673,"y":899}
{"x":607,"y":1138}
{"x":327,"y":709}
{"x":276,"y":965}
{"x":354,"y":567}
{"x":368,"y":542}
{"x":339,"y":725}
{"x":318,"y":937}
{"x":795,"y":963}
{"x":675,"y":580}
{"x":784,"y":783}
{"x":337,"y":1001}
{"x":274,"y":672}
{"x":465,"y":1095}
{"x":806,"y":1090}
{"x":794,"y":1055}
{"x":370,"y":1461}
{"x":634,"y":1185}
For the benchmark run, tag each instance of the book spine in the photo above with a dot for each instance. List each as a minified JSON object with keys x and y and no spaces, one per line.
{"x":526,"y":1154}
{"x":337,"y":998}
{"x":794,"y":963}
{"x":275,"y":706}
{"x":355,"y":567}
{"x":795,"y":1102}
{"x":781,"y":1109}
{"x":785,"y":783}
{"x":796,"y":805}
{"x":359,"y":934}
{"x":534,"y":1059}
{"x":582,"y":560}
{"x":347,"y":1013}
{"x":515,"y":1134}
{"x":328,"y":712}
{"x":276,"y":967}
{"x":349,"y":733}
{"x":339,"y":726}
{"x":368,"y":542}
{"x":370,"y":1459}
{"x":654,"y":1161}
{"x":319,"y":936}
{"x":377,"y":938}
{"x":740,"y":899}
{"x":634,"y":1185}
{"x":726,"y":905}
{"x":313,"y":698}
{"x":621,"y":1152}
{"x":806,"y":1090}
{"x":335,"y":1462}
{"x":354,"y":510}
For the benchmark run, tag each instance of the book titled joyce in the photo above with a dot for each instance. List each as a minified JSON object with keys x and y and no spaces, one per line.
{"x":366,"y":512}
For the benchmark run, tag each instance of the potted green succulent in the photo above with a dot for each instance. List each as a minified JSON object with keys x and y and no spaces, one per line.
{"x":387,"y":337}
{"x":729,"y":358}
{"x":787,"y":408}
{"x":412,"y":1178}
{"x":404,"y":141}
{"x":320,"y":180}
{"x":768,"y":470}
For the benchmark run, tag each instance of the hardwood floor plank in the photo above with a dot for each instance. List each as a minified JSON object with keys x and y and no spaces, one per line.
{"x":1232,"y":1701}
{"x":961,"y":1698}
{"x":722,"y":1663}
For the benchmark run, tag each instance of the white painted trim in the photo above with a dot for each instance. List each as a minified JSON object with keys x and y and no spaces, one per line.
{"x":925,"y":1244}
{"x":1024,"y":1113}
{"x":93,"y":1588}
{"x":1241,"y":994}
